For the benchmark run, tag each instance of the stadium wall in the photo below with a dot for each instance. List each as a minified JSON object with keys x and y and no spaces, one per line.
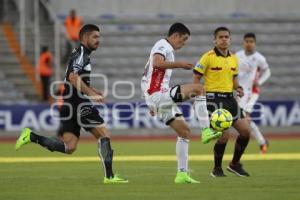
{"x":96,"y":8}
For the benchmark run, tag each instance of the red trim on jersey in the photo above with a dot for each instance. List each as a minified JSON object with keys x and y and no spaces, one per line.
{"x":157,"y":77}
{"x":256,"y":89}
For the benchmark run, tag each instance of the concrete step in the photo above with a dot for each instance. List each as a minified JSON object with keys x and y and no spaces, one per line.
{"x":8,"y":67}
{"x":10,"y":97}
{"x":26,"y":89}
{"x":129,"y":52}
{"x":197,"y":40}
{"x":5,"y":50}
{"x":12,"y":74}
{"x":21,"y":81}
{"x":8,"y":58}
{"x":32,"y":97}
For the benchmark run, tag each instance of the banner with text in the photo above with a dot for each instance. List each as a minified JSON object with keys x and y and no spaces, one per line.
{"x":136,"y":115}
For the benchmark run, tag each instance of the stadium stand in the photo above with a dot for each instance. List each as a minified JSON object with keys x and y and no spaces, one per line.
{"x":126,"y":42}
{"x":126,"y":45}
{"x":9,"y":67}
{"x":18,"y":70}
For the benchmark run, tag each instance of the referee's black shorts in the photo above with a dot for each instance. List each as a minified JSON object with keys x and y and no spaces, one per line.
{"x":216,"y":100}
{"x":73,"y":117}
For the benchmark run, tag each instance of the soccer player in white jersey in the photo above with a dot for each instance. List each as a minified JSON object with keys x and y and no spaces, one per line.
{"x":161,"y":98}
{"x":253,"y":72}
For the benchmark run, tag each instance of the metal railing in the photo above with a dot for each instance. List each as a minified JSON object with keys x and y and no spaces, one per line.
{"x":58,"y":31}
{"x":23,"y":23}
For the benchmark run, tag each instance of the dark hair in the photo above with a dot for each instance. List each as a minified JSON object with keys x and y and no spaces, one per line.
{"x":250,"y":35}
{"x":44,"y":49}
{"x":179,"y":28}
{"x":221,"y":28}
{"x":87,"y":29}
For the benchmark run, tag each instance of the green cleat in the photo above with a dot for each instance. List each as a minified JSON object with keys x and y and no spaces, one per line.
{"x":115,"y":180}
{"x":209,"y":134}
{"x":183,"y":177}
{"x":23,"y":139}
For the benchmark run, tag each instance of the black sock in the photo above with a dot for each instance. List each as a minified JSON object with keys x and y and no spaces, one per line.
{"x":106,"y":154}
{"x":240,"y":146}
{"x":52,"y":144}
{"x":219,"y":150}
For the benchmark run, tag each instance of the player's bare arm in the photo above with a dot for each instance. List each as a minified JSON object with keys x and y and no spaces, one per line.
{"x":197,"y":78}
{"x":97,"y":91}
{"x":264,"y":76}
{"x":77,"y":82}
{"x":237,"y":87}
{"x":159,"y":62}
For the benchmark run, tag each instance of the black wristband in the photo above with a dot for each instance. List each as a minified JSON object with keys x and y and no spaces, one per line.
{"x":240,"y":87}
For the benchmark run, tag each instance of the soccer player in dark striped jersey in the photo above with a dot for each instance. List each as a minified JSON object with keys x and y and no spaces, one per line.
{"x":78,"y":110}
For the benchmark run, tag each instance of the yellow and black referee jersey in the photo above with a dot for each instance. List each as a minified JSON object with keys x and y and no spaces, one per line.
{"x":218,"y":70}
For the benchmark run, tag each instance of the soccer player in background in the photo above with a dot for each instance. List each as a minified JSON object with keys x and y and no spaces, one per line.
{"x":78,"y":110}
{"x":253,"y":72}
{"x":161,"y":98}
{"x":219,"y":68}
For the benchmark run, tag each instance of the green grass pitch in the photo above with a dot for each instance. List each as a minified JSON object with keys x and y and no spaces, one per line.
{"x":270,"y":179}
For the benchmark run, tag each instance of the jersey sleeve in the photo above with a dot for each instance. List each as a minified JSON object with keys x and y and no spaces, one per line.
{"x":265,"y":72}
{"x":160,"y":49}
{"x":202,"y":65}
{"x":77,"y":65}
{"x":236,"y":71}
{"x":263,"y":63}
{"x":239,"y":58}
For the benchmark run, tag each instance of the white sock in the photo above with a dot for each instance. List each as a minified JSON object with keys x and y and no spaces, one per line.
{"x":201,"y":111}
{"x":257,"y":134}
{"x":182,"y":151}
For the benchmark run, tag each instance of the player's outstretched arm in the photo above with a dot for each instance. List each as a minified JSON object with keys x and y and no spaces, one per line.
{"x":159,"y":62}
{"x":97,"y":91}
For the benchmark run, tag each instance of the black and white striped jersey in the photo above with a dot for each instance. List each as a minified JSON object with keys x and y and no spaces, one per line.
{"x":78,"y":63}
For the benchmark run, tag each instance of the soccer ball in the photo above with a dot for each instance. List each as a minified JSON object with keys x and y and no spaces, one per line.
{"x":221,"y":119}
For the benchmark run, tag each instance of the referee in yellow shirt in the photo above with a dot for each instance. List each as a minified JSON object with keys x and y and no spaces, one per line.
{"x":219,"y":67}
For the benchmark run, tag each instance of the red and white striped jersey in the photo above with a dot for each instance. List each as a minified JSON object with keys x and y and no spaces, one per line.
{"x":158,"y":79}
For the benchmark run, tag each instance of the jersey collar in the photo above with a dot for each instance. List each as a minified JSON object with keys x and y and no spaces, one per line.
{"x":218,"y":53}
{"x":86,"y":50}
{"x":249,"y":54}
{"x":169,"y":43}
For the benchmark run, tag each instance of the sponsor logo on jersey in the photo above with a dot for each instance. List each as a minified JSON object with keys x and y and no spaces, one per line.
{"x":88,"y":67}
{"x":199,"y":66}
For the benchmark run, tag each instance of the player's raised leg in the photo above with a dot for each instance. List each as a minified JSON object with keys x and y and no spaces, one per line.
{"x":106,"y":155}
{"x":197,"y":92}
{"x":23,"y":139}
{"x":182,"y":150}
{"x":52,"y":144}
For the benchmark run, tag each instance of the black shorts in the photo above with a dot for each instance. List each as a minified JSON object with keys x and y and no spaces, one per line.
{"x":226,"y":101}
{"x":74,"y":117}
{"x":175,"y":94}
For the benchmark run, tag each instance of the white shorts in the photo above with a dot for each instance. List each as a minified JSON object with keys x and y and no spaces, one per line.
{"x":163,"y":104}
{"x":248,"y":101}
